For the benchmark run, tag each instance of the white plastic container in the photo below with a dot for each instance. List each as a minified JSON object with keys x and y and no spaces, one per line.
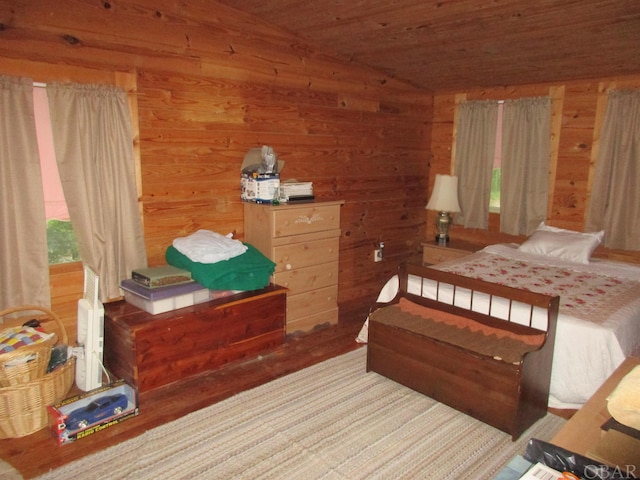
{"x":165,"y":299}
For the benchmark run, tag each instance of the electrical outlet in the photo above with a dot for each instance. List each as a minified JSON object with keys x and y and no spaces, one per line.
{"x":377,"y":255}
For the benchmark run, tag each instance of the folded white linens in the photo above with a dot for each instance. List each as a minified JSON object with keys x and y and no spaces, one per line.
{"x":205,"y":246}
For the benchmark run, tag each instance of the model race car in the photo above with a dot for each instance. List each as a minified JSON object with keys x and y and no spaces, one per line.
{"x":96,"y":411}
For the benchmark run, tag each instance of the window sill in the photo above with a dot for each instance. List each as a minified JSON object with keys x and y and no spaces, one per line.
{"x":69,"y":267}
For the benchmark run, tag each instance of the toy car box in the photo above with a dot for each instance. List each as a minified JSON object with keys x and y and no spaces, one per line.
{"x":91,"y":412}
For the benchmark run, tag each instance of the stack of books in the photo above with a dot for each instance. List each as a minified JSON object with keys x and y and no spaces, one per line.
{"x":166,"y":275}
{"x":162,"y":289}
{"x":297,"y":191}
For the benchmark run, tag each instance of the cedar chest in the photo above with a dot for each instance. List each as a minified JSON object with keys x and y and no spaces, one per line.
{"x":150,"y":351}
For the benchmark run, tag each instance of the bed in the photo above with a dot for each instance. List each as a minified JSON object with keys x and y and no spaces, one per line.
{"x":599,"y":319}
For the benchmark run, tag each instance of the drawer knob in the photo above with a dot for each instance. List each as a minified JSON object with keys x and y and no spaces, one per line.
{"x":288,"y":266}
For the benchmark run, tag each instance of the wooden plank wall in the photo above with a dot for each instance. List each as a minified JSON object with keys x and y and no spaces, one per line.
{"x":578,"y":108}
{"x":211,"y":84}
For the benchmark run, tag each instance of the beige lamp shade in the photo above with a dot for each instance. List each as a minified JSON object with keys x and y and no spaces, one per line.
{"x":444,"y":197}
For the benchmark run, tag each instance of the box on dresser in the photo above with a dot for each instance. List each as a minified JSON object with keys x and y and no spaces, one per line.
{"x":304,"y":242}
{"x":150,"y":351}
{"x":259,"y":187}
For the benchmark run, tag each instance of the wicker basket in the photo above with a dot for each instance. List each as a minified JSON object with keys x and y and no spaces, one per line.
{"x":23,"y":406}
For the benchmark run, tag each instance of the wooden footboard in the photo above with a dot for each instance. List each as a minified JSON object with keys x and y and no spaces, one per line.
{"x":509,"y":393}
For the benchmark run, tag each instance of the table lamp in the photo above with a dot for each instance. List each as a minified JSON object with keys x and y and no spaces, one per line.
{"x":444,"y":199}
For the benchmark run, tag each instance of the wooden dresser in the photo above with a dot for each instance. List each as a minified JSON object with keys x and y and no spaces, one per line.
{"x":303,"y":240}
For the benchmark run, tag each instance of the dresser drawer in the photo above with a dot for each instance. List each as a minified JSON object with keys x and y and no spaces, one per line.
{"x":312,"y":302}
{"x":299,"y":255}
{"x":308,"y":278}
{"x":306,"y":219}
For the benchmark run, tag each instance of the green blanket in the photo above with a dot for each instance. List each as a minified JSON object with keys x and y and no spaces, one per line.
{"x":249,"y":271}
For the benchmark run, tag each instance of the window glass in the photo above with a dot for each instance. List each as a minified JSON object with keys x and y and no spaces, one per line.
{"x":496,"y":174}
{"x":61,"y":240}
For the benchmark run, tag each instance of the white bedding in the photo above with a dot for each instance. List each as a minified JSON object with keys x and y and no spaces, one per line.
{"x":599,"y":320}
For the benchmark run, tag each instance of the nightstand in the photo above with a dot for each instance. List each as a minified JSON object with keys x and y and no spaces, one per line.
{"x":433,"y":253}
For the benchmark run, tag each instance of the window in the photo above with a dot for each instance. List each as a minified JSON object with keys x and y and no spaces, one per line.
{"x":54,"y":285}
{"x":522,"y":176}
{"x":496,"y":172}
{"x":61,"y":241}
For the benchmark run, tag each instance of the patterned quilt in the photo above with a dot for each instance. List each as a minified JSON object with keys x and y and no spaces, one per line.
{"x":584,"y":291}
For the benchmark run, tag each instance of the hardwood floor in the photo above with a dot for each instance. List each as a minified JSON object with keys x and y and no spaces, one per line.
{"x":39,"y":452}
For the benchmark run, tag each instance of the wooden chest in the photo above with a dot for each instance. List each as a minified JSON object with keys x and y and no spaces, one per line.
{"x":509,"y":396}
{"x":304,"y":242}
{"x":150,"y":351}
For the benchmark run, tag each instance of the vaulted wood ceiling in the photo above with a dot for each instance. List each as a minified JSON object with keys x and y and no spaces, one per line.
{"x":453,"y":44}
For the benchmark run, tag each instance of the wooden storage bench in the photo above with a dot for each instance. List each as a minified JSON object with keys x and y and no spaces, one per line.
{"x":482,"y":348}
{"x":150,"y":351}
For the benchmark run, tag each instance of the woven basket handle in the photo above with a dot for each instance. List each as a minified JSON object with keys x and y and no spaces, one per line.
{"x":30,"y":308}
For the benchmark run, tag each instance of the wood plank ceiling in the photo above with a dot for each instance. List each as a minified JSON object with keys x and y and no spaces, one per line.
{"x":456,"y":44}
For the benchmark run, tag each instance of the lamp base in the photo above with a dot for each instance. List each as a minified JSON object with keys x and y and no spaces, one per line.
{"x":442,"y":240}
{"x":443,"y":222}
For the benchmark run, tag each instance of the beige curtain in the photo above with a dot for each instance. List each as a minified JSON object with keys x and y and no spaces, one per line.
{"x":24,"y":264}
{"x":615,"y":196}
{"x":94,"y":150}
{"x":526,"y":148}
{"x":475,"y":148}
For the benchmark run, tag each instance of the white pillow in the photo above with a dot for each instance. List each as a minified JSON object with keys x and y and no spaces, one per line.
{"x":564,"y":244}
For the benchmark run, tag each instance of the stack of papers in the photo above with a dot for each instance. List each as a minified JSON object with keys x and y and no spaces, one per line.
{"x":293,"y":190}
{"x":542,"y":472}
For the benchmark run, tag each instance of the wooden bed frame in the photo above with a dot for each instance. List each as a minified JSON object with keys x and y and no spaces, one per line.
{"x":510,"y":396}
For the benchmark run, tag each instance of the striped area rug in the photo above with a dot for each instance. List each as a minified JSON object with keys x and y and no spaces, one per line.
{"x":330,"y":421}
